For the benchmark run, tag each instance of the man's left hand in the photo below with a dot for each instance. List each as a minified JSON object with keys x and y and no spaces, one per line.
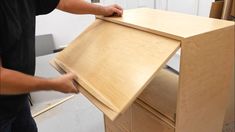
{"x":113,"y":10}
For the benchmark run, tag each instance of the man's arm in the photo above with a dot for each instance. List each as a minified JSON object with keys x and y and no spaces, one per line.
{"x":83,"y":7}
{"x":13,"y":82}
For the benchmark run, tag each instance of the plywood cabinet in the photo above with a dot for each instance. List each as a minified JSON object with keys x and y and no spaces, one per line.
{"x":119,"y":63}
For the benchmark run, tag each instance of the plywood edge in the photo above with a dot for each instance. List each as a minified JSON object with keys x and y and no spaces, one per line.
{"x":100,"y":105}
{"x":89,"y":88}
{"x":205,"y":74}
{"x":149,"y":30}
{"x":165,"y":34}
{"x":112,"y":115}
{"x":134,"y":19}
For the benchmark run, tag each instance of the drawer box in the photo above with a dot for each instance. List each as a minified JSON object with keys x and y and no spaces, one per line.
{"x":145,"y":121}
{"x":122,"y":123}
{"x":141,"y":120}
{"x":150,"y":112}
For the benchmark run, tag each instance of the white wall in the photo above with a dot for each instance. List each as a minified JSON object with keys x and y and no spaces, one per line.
{"x":204,"y":7}
{"x":194,"y":7}
{"x":65,"y":27}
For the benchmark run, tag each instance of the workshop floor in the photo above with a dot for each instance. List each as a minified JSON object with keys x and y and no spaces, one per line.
{"x":75,"y":115}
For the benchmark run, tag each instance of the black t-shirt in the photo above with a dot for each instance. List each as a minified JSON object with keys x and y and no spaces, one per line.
{"x":17,"y":43}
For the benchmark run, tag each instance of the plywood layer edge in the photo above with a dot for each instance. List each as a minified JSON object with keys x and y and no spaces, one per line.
{"x":169,"y":24}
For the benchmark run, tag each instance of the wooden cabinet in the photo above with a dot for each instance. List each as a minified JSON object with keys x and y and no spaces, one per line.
{"x":119,"y":63}
{"x":154,"y":110}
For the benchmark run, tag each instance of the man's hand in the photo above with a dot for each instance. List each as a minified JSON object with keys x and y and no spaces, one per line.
{"x":83,"y":7}
{"x":14,"y":82}
{"x":113,"y":10}
{"x":65,"y":83}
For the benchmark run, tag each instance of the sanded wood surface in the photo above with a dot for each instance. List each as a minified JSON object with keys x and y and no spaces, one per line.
{"x":114,"y":63}
{"x":169,"y":24}
{"x":161,"y":93}
{"x":144,"y":121}
{"x":205,"y":78}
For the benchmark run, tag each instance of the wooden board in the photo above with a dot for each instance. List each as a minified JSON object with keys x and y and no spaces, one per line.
{"x":137,"y":119}
{"x":170,"y":24}
{"x":233,"y":9}
{"x":205,"y":77}
{"x":41,"y":108}
{"x":114,"y":63}
{"x":144,"y":121}
{"x":216,"y":9}
{"x":161,"y":94}
{"x":227,"y":9}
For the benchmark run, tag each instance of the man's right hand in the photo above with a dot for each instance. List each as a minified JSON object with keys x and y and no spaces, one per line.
{"x":65,"y":83}
{"x":14,"y":83}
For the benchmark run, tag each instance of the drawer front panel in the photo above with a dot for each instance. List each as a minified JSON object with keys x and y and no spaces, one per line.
{"x":144,"y":121}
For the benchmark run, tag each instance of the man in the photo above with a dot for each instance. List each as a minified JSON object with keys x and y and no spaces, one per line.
{"x":17,"y":57}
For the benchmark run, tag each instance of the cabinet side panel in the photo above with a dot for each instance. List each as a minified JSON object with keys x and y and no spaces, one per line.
{"x":205,"y":77}
{"x":230,"y":118}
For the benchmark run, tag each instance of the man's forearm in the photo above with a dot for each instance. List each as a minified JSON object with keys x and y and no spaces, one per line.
{"x":80,"y":7}
{"x":13,"y":82}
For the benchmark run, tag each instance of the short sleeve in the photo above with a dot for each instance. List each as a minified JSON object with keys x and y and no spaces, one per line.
{"x":45,"y":6}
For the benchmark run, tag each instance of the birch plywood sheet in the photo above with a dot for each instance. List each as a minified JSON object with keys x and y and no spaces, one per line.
{"x":114,"y":63}
{"x":170,"y":24}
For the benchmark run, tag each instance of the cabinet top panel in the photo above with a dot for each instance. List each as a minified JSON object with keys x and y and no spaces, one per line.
{"x":170,"y":24}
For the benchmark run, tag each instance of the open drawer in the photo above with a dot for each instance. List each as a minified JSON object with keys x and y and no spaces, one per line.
{"x":114,"y":63}
{"x":160,"y":96}
{"x":154,"y":110}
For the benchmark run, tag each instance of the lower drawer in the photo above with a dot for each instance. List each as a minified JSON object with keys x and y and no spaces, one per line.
{"x":145,"y":121}
{"x":140,"y":119}
{"x":109,"y":127}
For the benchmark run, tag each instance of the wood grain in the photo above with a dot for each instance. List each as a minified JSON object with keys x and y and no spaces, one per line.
{"x":169,"y":24}
{"x":114,"y":63}
{"x":205,"y":77}
{"x":216,"y":9}
{"x":161,"y":93}
{"x":144,"y":121}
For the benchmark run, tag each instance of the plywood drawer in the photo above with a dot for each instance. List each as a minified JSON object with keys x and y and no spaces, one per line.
{"x":111,"y":126}
{"x":161,"y":94}
{"x":123,"y":123}
{"x":145,"y":121}
{"x":137,"y":119}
